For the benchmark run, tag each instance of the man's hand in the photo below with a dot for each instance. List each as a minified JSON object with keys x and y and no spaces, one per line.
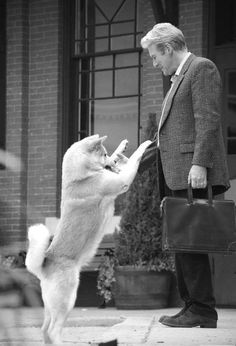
{"x":197,"y":177}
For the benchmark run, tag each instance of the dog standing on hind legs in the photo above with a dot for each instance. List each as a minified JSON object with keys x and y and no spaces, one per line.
{"x":90,"y":183}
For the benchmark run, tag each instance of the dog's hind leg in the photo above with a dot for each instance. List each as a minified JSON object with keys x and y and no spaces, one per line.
{"x":45,"y":326}
{"x":61,"y":299}
{"x":45,"y":285}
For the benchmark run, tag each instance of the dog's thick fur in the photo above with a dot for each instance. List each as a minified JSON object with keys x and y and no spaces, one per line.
{"x":89,"y":189}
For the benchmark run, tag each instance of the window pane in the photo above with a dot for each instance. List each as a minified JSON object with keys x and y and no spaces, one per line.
{"x":126,"y":82}
{"x":232,"y":83}
{"x":122,"y":28}
{"x":118,"y":119}
{"x":109,"y":7}
{"x":126,"y":11}
{"x":225,"y":24}
{"x":232,"y":108}
{"x":101,"y":45}
{"x":99,"y":17}
{"x":101,"y":30}
{"x":127,"y":59}
{"x":231,"y":129}
{"x":123,"y":42}
{"x":103,"y":84}
{"x":103,"y":62}
{"x":231,"y":147}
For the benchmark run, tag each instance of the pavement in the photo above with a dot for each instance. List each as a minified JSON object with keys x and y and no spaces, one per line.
{"x":93,"y":326}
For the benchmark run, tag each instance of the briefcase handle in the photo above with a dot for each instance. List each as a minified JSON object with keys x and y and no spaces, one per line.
{"x":209,"y":194}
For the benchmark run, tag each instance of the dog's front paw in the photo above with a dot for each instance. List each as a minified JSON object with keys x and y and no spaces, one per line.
{"x":143,"y":146}
{"x":119,"y":150}
{"x":123,"y":146}
{"x":137,"y":155}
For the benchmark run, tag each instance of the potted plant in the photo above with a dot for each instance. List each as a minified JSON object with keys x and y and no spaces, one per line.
{"x":140,"y":270}
{"x":18,"y":287}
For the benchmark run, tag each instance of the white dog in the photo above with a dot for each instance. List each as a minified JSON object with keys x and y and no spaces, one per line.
{"x":89,"y":189}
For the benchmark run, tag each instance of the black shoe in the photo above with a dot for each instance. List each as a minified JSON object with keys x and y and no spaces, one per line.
{"x":189,"y":320}
{"x":181,"y":312}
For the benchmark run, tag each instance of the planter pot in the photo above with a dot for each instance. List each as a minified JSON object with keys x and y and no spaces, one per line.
{"x":141,"y":289}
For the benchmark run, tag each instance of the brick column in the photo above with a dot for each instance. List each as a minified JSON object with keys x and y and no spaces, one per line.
{"x":152,"y":83}
{"x":44,"y":168}
{"x":34,"y":53}
{"x":193,"y":24}
{"x":13,"y":184}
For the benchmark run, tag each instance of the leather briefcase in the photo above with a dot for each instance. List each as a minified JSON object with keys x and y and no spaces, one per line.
{"x":198,"y":225}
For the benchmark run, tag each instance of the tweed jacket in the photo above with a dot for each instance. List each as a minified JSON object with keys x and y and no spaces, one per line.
{"x":190,"y":131}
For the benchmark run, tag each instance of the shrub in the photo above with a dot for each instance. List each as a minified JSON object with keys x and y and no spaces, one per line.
{"x":138,"y":242}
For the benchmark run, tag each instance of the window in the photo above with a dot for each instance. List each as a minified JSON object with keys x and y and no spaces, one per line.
{"x":225,"y":24}
{"x":222,"y":49}
{"x":231,"y":111}
{"x":107,"y":60}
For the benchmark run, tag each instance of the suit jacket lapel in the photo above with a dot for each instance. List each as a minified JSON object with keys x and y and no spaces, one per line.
{"x":174,"y":89}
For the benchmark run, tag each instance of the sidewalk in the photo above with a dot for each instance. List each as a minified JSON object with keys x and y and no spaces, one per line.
{"x":92,"y":326}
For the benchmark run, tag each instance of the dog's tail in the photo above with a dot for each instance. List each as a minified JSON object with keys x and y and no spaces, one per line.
{"x":39,"y":239}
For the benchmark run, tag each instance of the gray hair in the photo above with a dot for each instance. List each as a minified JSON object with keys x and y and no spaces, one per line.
{"x":163,"y":34}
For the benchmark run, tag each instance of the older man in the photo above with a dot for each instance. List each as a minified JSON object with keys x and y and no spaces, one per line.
{"x":190,"y":150}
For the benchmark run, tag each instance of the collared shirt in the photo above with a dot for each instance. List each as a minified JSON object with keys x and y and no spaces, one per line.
{"x":177,"y":73}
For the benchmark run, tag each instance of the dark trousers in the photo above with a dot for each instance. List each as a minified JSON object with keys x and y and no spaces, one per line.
{"x":192,"y":270}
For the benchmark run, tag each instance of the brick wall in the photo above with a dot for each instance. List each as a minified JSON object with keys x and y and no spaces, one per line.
{"x":13,"y":184}
{"x":44,"y":109}
{"x":193,"y":24}
{"x":34,"y":51}
{"x":152,"y":86}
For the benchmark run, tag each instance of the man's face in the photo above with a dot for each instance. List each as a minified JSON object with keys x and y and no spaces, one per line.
{"x":164,"y":61}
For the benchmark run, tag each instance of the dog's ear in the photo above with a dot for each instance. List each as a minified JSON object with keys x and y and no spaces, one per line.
{"x":102,"y":139}
{"x":95,"y":143}
{"x":92,"y":137}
